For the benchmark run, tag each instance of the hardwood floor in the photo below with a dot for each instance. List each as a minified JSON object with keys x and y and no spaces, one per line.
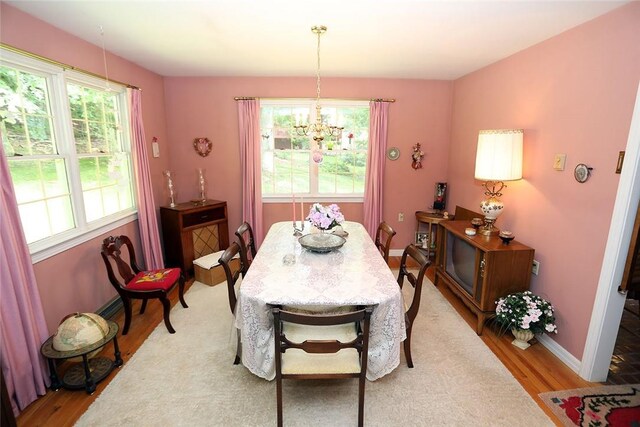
{"x":536,"y":369}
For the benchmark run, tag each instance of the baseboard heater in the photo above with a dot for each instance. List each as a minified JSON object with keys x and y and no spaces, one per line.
{"x":111,"y":308}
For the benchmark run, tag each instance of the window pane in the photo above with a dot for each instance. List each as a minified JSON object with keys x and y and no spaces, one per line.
{"x":89,"y":173}
{"x":27,"y":180}
{"x":32,"y":215}
{"x":60,"y":214}
{"x":97,"y":140}
{"x":54,"y":177}
{"x":111,"y":200}
{"x":39,"y":128}
{"x":24,"y":112}
{"x":93,"y":204}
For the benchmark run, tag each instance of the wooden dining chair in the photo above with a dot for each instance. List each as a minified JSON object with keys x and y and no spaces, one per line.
{"x":135,"y":283}
{"x":232,"y":271}
{"x":247,"y":245}
{"x":383,"y":239}
{"x":411,"y":311}
{"x":321,"y":346}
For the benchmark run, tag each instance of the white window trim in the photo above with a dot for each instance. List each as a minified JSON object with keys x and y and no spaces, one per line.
{"x":310,"y":102}
{"x":57,"y":78}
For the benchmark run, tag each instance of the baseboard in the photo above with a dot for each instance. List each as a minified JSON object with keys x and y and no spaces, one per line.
{"x":111,"y":308}
{"x":565,"y":357}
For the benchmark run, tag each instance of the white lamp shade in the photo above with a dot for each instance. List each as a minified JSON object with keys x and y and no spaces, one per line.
{"x":499,"y":155}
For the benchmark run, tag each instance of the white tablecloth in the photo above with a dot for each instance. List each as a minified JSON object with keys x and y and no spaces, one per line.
{"x":355,"y":274}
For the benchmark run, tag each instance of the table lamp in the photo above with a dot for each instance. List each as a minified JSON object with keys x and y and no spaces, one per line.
{"x":498,"y":159}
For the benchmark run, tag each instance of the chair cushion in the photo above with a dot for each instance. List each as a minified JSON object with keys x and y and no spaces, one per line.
{"x":296,"y":361}
{"x":154,"y":280}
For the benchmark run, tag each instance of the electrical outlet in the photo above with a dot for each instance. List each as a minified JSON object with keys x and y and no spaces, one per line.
{"x":536,"y":267}
{"x":400,"y":217}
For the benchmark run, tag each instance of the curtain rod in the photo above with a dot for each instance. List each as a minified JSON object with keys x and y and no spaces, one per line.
{"x":249,"y":98}
{"x":63,"y":65}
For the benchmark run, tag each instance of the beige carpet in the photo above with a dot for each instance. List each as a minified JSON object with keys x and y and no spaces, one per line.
{"x":187,"y":379}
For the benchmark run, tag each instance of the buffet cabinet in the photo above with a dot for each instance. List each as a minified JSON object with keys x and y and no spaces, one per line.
{"x":191,"y":230}
{"x":480,"y":269}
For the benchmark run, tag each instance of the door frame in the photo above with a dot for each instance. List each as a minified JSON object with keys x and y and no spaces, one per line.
{"x":609,"y":303}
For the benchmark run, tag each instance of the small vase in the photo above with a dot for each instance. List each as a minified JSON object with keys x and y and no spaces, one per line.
{"x":522,"y":338}
{"x":202,"y":185}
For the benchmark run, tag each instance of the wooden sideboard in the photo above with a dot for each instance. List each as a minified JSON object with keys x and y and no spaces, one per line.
{"x":480,"y":269}
{"x":191,"y":230}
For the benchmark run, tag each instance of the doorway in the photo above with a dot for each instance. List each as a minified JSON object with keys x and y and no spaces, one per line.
{"x":609,"y":303}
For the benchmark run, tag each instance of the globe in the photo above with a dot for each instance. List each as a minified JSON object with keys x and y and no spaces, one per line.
{"x":80,"y":330}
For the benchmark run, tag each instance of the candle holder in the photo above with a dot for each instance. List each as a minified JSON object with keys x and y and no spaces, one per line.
{"x":172,"y":193}
{"x":298,"y":231}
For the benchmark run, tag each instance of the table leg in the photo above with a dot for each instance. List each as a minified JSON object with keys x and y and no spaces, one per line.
{"x":56,"y":384}
{"x":116,"y":350}
{"x":90,"y":385}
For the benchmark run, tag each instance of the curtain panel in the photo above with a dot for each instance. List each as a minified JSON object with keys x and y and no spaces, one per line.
{"x":373,"y":190}
{"x":147,"y":218}
{"x":22,"y":327}
{"x":249,"y":133}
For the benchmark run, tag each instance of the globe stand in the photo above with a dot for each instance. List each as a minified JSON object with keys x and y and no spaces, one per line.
{"x":88,"y":373}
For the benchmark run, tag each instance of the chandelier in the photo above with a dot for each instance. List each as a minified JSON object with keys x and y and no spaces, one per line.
{"x":318,"y":129}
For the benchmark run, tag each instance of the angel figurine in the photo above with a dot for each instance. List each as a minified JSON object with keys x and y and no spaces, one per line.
{"x":417,"y":157}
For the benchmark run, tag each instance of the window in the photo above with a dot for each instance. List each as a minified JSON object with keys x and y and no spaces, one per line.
{"x":66,"y":139}
{"x":288,"y":165}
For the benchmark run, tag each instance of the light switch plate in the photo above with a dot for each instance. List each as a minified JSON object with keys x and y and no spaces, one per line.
{"x":156,"y":149}
{"x":559,"y":161}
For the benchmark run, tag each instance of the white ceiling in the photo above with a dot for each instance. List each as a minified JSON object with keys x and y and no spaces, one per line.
{"x":394,"y":39}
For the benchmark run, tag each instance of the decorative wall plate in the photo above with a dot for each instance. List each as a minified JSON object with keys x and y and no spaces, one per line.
{"x":582,"y":172}
{"x":202,"y":146}
{"x":393,"y":153}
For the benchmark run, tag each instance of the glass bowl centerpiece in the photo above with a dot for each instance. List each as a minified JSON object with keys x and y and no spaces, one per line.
{"x":325,"y":217}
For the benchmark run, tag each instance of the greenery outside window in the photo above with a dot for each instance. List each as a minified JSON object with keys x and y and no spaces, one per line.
{"x":287,"y":158}
{"x":66,"y":139}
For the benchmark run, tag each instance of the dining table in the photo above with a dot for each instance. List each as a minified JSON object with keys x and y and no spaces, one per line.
{"x":285,"y":273}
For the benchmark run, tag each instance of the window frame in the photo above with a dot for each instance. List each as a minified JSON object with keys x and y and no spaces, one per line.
{"x":57,"y":78}
{"x":314,"y":174}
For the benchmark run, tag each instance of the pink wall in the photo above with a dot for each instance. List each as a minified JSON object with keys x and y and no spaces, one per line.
{"x":76,"y":280}
{"x":205,"y":107}
{"x":572,"y":94}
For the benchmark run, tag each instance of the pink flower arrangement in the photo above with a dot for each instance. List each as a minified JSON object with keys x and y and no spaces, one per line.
{"x":325,"y":217}
{"x":525,"y":310}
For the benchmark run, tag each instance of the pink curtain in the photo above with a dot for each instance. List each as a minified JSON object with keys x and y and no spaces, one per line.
{"x":373,"y":190}
{"x":147,"y":219}
{"x":22,"y":328}
{"x":249,"y":131}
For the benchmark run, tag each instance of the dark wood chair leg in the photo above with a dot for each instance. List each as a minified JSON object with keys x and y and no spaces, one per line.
{"x":407,"y":348}
{"x":361,"y":403}
{"x":279,"y":399}
{"x":167,"y":309}
{"x":236,"y":361}
{"x":181,"y":292}
{"x":127,"y":314}
{"x":143,"y":307}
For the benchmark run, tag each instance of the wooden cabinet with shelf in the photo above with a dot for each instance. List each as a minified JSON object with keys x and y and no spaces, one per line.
{"x":480,"y":269}
{"x":191,"y":230}
{"x":428,"y":223}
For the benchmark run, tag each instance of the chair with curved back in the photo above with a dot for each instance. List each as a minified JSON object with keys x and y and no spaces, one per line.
{"x":135,"y":283}
{"x":383,"y":239}
{"x":246,"y":245}
{"x":321,"y":346}
{"x":412,"y":253}
{"x":232,"y":271}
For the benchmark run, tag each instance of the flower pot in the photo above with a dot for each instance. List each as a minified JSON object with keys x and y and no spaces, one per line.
{"x":522,"y":338}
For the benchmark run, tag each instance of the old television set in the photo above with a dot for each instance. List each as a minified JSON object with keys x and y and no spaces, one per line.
{"x":480,"y":269}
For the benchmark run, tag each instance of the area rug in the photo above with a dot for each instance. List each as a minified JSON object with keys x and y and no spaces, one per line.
{"x":188,"y":379}
{"x":613,"y":406}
